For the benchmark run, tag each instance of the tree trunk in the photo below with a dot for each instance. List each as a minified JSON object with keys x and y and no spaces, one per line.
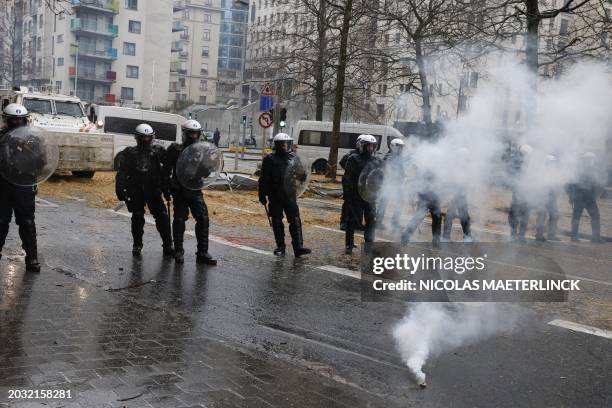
{"x":426,"y":96}
{"x":531,"y":59}
{"x":339,"y":97}
{"x":320,"y":67}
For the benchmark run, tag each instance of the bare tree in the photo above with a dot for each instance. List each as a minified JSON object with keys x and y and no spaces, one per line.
{"x":10,"y":44}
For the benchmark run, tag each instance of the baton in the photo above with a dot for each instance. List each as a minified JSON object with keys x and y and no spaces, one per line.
{"x":168,"y":206}
{"x":268,"y":214}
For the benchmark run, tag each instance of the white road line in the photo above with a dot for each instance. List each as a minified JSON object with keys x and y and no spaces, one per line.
{"x":581,"y":328}
{"x":342,"y":232}
{"x":75,"y":198}
{"x":341,"y":271}
{"x":240,"y":209}
{"x":45,"y":203}
{"x":213,"y":238}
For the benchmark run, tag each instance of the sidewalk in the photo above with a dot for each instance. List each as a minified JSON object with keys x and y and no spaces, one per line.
{"x":58,"y":333}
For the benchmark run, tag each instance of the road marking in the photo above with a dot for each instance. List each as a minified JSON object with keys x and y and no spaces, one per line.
{"x":240,"y":209}
{"x":581,"y":328}
{"x":341,"y":271}
{"x":342,"y":232}
{"x":45,"y":203}
{"x":213,"y":238}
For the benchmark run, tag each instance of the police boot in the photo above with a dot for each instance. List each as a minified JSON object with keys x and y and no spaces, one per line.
{"x":138,"y":222}
{"x":279,"y":237}
{"x":297,"y":241}
{"x":178,"y":232}
{"x":27,"y":232}
{"x":202,"y":256}
{"x":163,"y":226}
{"x":349,"y":243}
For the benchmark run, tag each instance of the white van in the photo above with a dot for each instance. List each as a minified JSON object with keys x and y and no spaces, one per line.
{"x":313,"y":140}
{"x":83,"y":148}
{"x":121,"y":122}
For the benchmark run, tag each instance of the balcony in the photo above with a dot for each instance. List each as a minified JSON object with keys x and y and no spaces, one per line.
{"x":178,"y":26}
{"x":174,"y":87}
{"x":177,"y":46}
{"x":90,"y":75}
{"x":110,"y":98}
{"x":178,"y":67}
{"x":109,"y":55}
{"x":184,"y":55}
{"x":110,"y":7}
{"x":178,"y":5}
{"x":84,"y":27}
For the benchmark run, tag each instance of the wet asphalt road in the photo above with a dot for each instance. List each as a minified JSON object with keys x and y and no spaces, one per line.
{"x":293,"y":310}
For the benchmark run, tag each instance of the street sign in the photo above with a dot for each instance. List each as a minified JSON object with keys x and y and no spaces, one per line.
{"x":265,"y":120}
{"x":267,"y":90}
{"x":266,"y":102}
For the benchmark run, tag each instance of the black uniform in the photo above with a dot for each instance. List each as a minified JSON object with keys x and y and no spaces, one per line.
{"x":457,"y":208}
{"x":272,"y":189}
{"x":395,"y":169}
{"x":518,"y":216}
{"x":344,"y":212}
{"x":141,"y":180}
{"x":186,"y":201}
{"x":21,"y":201}
{"x":427,"y":201}
{"x":357,"y":208}
{"x":583,"y":196}
{"x":551,"y":209}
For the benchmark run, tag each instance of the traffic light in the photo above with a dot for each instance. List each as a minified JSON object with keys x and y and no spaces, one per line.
{"x":189,"y":115}
{"x":271,"y":112}
{"x":244,"y":118}
{"x":283,"y":117}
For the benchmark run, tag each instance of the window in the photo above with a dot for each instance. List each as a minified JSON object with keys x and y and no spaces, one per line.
{"x":131,"y":4}
{"x":318,"y":138}
{"x":37,"y":105}
{"x":58,"y":85}
{"x":129,"y":48}
{"x":204,"y":69}
{"x":60,"y":62}
{"x":60,"y":38}
{"x":163,"y":131}
{"x":131,"y":71}
{"x":134,"y":27}
{"x":563,"y":29}
{"x":397,"y":38}
{"x":207,"y":18}
{"x":40,"y":21}
{"x":202,"y":100}
{"x":205,"y":52}
{"x":127,"y":94}
{"x":69,"y":108}
{"x":206,"y":35}
{"x":203,"y":85}
{"x":474,"y":80}
{"x":387,"y":38}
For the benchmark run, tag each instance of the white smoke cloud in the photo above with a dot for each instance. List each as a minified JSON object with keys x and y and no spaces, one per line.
{"x":572,"y":117}
{"x":430,"y":329}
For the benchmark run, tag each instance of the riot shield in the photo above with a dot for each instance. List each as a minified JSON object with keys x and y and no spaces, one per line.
{"x":27,"y":157}
{"x":370,"y":182}
{"x":199,"y":165}
{"x":296,"y":177}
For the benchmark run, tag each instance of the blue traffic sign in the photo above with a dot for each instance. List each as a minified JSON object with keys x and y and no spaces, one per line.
{"x":265,"y":103}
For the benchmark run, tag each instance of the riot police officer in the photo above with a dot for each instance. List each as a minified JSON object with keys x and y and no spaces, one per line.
{"x":583,"y":194}
{"x":186,"y":200}
{"x":357,"y":208}
{"x":18,"y":199}
{"x":548,"y":207}
{"x":427,"y":201}
{"x":272,"y":189}
{"x":395,"y":170}
{"x":342,"y":164}
{"x":141,"y":180}
{"x":458,"y":207}
{"x":518,"y":216}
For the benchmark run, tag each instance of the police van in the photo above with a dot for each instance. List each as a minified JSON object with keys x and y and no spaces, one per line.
{"x":121,"y":122}
{"x":83,"y":146}
{"x":314,"y":139}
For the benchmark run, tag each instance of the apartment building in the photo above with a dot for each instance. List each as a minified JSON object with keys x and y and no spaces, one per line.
{"x":107,"y":51}
{"x":208,"y":54}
